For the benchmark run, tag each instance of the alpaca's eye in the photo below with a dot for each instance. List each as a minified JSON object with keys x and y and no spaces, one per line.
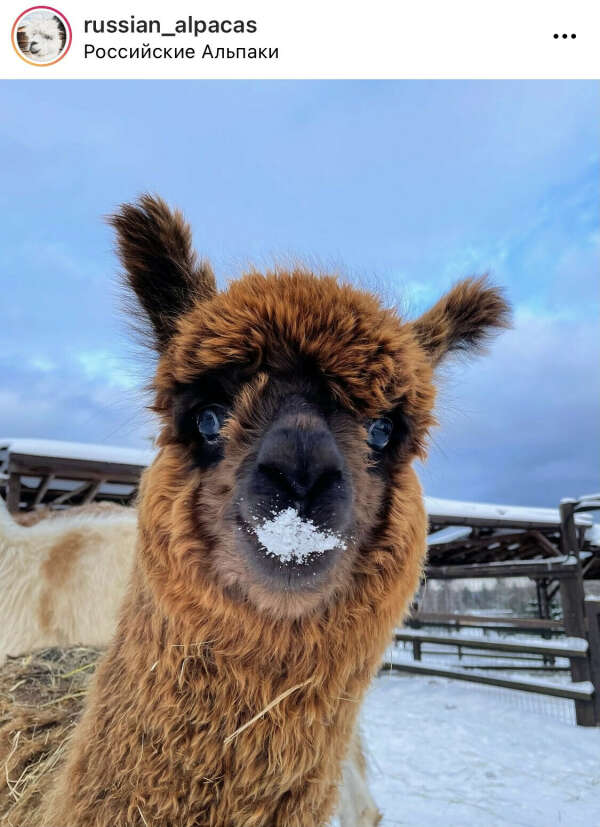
{"x":210,"y":421}
{"x":379,"y":432}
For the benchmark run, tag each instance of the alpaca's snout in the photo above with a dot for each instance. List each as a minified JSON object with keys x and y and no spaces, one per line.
{"x":302,"y":468}
{"x":295,"y":502}
{"x":34,"y":47}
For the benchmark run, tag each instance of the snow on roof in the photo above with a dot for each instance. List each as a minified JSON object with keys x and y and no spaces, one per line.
{"x":592,"y":535}
{"x":77,"y":451}
{"x":450,"y":534}
{"x":516,"y":515}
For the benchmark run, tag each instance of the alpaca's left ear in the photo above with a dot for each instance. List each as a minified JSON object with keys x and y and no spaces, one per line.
{"x":155,"y":247}
{"x":462,"y":320}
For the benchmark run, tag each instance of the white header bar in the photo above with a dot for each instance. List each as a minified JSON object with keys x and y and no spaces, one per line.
{"x":308,"y":39}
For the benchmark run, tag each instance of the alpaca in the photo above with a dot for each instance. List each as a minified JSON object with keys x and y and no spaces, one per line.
{"x":77,"y":622}
{"x":282,"y":533}
{"x":63,"y":576}
{"x":41,"y":36}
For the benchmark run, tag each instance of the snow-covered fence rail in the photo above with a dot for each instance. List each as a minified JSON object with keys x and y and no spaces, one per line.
{"x":497,"y":623}
{"x":566,"y":648}
{"x":581,"y":646}
{"x":582,"y":692}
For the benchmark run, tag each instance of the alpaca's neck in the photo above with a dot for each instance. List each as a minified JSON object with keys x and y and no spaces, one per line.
{"x":169,"y":704}
{"x":166,"y":737}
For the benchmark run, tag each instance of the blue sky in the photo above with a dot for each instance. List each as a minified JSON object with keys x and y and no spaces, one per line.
{"x":406,"y":185}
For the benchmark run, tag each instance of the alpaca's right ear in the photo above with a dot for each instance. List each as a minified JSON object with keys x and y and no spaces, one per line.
{"x":155,"y":248}
{"x":462,"y":320}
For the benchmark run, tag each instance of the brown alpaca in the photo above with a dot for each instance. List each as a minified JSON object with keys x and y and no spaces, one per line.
{"x":229,"y":695}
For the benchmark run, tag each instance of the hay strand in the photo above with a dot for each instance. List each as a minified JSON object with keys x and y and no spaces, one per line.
{"x":264,"y":711}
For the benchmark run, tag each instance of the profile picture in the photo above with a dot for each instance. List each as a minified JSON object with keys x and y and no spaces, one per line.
{"x":41,"y":35}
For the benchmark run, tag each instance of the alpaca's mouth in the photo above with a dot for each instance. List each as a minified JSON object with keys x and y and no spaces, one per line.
{"x":290,"y":551}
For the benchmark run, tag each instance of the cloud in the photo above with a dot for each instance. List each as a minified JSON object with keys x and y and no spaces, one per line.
{"x":101,"y":364}
{"x":522,"y":425}
{"x":71,"y":403}
{"x":421,"y":183}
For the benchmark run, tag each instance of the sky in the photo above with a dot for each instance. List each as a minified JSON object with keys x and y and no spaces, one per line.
{"x":403,"y":186}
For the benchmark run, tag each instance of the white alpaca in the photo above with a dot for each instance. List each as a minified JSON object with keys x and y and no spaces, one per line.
{"x":356,"y":807}
{"x":63,"y":578}
{"x":44,"y":36}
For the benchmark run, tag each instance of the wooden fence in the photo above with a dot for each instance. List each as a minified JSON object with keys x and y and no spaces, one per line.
{"x":583,"y":654}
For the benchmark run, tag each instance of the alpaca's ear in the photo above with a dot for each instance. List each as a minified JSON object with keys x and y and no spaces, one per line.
{"x":155,"y":248}
{"x":462,"y":320}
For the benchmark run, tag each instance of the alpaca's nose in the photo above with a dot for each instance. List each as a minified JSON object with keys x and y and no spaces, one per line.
{"x":34,"y":46}
{"x":300,"y":467}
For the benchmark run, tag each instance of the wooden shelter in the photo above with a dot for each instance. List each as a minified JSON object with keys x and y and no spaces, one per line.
{"x":37,"y":472}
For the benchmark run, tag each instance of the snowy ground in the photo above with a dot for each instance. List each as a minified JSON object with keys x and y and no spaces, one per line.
{"x":446,"y":754}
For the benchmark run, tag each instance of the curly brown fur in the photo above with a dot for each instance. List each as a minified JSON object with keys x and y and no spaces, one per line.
{"x":463,"y":319}
{"x":205,"y":643}
{"x":41,"y":699}
{"x":155,"y":246}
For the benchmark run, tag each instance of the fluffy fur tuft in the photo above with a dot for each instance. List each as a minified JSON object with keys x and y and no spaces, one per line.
{"x":161,"y":267}
{"x":463,"y":320}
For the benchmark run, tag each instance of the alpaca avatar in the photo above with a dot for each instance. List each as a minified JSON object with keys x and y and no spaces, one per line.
{"x":63,"y":578}
{"x":229,"y":695}
{"x":41,"y":36}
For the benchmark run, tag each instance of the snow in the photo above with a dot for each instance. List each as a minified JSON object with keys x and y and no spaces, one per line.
{"x":448,"y":754}
{"x":290,"y":537}
{"x":592,"y":535}
{"x":509,"y":514}
{"x":449,"y":534}
{"x":77,"y":451}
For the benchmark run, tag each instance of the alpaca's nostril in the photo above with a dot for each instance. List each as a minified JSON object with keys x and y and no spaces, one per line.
{"x":291,"y":482}
{"x":303,"y":469}
{"x":280,"y":479}
{"x":327,"y":481}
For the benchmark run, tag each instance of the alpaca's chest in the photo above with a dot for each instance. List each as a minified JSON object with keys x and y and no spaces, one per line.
{"x":175,"y":762}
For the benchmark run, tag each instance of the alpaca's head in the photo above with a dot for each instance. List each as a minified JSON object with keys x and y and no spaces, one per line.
{"x":41,"y":36}
{"x":291,"y":406}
